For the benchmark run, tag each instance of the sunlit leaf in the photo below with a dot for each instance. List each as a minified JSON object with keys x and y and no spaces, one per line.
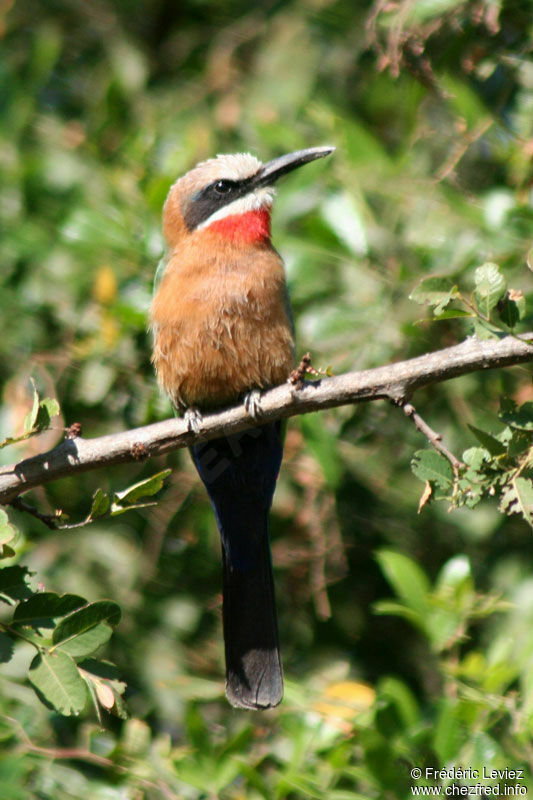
{"x":344,"y":217}
{"x":56,"y":676}
{"x":490,"y":287}
{"x":7,"y":531}
{"x":48,"y":408}
{"x":86,"y":618}
{"x":86,"y":642}
{"x":145,"y":488}
{"x":407,"y":579}
{"x":435,"y":291}
{"x":454,"y":573}
{"x":31,"y":417}
{"x":476,"y":457}
{"x":450,"y":313}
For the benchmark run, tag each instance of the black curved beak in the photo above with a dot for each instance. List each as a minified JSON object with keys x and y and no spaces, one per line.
{"x":273,"y":170}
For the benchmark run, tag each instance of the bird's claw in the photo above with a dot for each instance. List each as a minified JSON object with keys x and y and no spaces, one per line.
{"x":193,"y":418}
{"x":252,"y":404}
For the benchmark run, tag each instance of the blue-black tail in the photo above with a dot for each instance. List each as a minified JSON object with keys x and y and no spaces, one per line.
{"x":240,"y":474}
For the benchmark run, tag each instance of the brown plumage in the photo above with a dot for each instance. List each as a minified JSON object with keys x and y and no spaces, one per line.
{"x":222,"y":327}
{"x":221,"y":321}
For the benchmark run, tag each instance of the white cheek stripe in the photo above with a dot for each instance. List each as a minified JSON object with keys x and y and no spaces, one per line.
{"x":261,"y":198}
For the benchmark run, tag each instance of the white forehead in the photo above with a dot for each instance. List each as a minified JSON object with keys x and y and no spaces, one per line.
{"x":234,"y":166}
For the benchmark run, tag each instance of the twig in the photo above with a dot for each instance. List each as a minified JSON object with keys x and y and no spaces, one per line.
{"x":394,"y":382}
{"x":48,"y":519}
{"x":462,"y":147}
{"x":57,"y":753}
{"x":84,"y":755}
{"x":434,"y":438}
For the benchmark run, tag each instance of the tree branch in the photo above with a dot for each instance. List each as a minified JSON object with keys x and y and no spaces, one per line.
{"x":395,"y":382}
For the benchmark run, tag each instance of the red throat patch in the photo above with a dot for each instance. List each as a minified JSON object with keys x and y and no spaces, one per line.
{"x":250,"y":227}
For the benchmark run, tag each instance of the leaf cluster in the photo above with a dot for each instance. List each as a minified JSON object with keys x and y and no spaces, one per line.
{"x":501,"y":466}
{"x":65,"y":630}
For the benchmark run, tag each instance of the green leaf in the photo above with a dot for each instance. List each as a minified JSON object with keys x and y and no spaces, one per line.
{"x":7,"y":531}
{"x":395,"y":609}
{"x":451,"y":313}
{"x":37,"y":419}
{"x":519,"y":443}
{"x":490,"y":287}
{"x":344,"y":217}
{"x":428,"y":465}
{"x":145,"y":488}
{"x":85,"y":644}
{"x":521,"y":418}
{"x":57,"y":678}
{"x":489,"y":442}
{"x":13,"y":582}
{"x":81,"y":621}
{"x":397,"y":692}
{"x":449,"y":731}
{"x":101,"y":504}
{"x":125,"y":500}
{"x":48,"y":408}
{"x":6,"y":648}
{"x":31,"y":416}
{"x":455,"y":573}
{"x":435,"y":291}
{"x":508,"y":311}
{"x":484,"y":330}
{"x":407,"y":579}
{"x":475,"y":457}
{"x":43,"y":607}
{"x":136,"y":738}
{"x":517,"y":498}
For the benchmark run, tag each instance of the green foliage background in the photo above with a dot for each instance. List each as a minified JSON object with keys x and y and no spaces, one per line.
{"x":407,"y":639}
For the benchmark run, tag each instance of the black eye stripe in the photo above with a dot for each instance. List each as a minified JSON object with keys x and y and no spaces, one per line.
{"x":212,"y":197}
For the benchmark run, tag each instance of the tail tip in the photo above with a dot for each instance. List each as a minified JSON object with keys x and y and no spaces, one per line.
{"x":258,"y":698}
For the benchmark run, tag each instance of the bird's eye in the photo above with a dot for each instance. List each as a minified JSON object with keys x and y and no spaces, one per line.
{"x":223,"y":187}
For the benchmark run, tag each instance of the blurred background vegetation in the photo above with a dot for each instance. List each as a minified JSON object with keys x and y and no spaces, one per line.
{"x":397,"y":651}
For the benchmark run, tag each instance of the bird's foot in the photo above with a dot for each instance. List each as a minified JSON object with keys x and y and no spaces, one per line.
{"x":194,"y":419}
{"x":252,"y":404}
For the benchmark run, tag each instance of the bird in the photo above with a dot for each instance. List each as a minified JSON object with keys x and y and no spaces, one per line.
{"x":222,"y":333}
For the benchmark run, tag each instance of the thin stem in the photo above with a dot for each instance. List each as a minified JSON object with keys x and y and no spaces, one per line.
{"x":434,"y":438}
